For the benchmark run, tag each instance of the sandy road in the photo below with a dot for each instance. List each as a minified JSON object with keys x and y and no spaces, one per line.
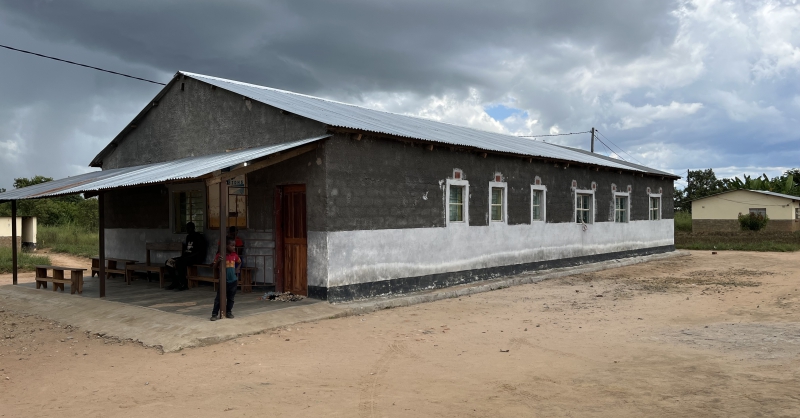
{"x":691,"y":336}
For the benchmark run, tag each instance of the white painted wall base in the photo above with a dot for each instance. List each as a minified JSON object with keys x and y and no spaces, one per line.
{"x":368,"y":256}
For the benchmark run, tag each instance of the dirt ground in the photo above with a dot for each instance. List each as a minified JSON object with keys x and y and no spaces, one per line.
{"x":702,"y":335}
{"x":56,"y":259}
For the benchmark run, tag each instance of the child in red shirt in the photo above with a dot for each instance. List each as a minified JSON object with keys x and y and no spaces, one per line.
{"x":233,"y":265}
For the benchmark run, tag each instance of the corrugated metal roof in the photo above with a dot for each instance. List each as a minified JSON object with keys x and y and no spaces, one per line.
{"x":766,"y":192}
{"x":786,"y":196}
{"x":628,"y":163}
{"x":185,"y":168}
{"x":345,"y":115}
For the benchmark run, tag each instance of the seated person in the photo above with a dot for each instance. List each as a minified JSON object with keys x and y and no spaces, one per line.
{"x":231,"y":235}
{"x":194,"y":252}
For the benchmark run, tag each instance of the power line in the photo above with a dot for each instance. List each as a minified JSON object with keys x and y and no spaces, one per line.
{"x":618,"y":147}
{"x":610,"y":150}
{"x":82,"y":65}
{"x":538,"y":136}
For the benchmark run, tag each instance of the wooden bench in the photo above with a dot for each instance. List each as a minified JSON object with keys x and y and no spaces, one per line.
{"x":147,"y":267}
{"x":75,"y":281}
{"x":245,"y":278}
{"x":113,"y":266}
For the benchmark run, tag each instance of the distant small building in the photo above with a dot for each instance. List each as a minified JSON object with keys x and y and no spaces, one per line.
{"x":720,"y":212}
{"x":26,"y":232}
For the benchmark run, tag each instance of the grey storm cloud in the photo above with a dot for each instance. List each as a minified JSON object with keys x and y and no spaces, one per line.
{"x":678,"y":84}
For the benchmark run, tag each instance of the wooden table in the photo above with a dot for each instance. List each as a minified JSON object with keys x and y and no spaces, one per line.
{"x":113,"y":265}
{"x":75,"y":281}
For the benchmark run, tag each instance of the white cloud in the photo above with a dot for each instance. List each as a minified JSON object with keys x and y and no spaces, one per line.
{"x":637,"y":117}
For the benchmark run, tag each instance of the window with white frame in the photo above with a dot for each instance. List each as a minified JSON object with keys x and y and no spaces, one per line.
{"x":655,"y":207}
{"x":538,"y":204}
{"x":497,"y":202}
{"x":621,"y":207}
{"x":457,"y":198}
{"x":584,"y":206}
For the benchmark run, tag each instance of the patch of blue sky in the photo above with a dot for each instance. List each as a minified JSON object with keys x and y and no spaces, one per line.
{"x":500,"y":112}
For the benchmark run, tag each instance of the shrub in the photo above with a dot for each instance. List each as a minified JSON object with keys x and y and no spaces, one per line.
{"x":683,"y":221}
{"x":753,"y":221}
{"x":70,"y":239}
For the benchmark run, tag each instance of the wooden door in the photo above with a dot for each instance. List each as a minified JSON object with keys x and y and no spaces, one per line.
{"x":294,"y":242}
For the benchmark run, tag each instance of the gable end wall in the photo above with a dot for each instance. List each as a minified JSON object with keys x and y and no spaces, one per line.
{"x":200,"y":120}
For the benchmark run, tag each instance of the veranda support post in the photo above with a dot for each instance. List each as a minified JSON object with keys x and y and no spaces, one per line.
{"x":101,"y":221}
{"x":223,"y":245}
{"x":14,"y":241}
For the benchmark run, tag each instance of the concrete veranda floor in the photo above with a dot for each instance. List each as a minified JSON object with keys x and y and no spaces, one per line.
{"x":196,"y":302}
{"x":175,"y":320}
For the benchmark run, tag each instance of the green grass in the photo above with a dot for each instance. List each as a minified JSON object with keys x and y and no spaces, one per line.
{"x":738,"y":241}
{"x":25,"y":260}
{"x":740,"y":246}
{"x":69,"y":239}
{"x":683,"y":221}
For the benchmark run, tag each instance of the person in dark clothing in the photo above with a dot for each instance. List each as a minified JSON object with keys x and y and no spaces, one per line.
{"x":194,"y":252}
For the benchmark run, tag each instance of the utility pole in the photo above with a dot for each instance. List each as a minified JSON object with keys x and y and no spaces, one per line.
{"x":593,"y":140}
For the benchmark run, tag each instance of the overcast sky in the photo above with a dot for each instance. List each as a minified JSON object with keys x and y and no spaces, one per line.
{"x":677,"y":84}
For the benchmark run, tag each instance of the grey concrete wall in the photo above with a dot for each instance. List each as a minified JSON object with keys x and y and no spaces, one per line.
{"x":385,"y":184}
{"x":138,"y":207}
{"x":200,"y":120}
{"x":307,"y":169}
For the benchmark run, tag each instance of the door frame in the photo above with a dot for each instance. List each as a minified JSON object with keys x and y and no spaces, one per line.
{"x":279,"y":255}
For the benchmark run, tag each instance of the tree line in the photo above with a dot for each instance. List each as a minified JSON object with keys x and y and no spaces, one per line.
{"x":55,"y":211}
{"x":702,"y":183}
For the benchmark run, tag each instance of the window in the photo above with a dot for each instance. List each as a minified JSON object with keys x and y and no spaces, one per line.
{"x":457,"y":202}
{"x":655,"y":207}
{"x":621,"y":208}
{"x":188,"y":206}
{"x":237,"y":203}
{"x":759,"y":211}
{"x":584,"y":207}
{"x":497,"y":202}
{"x":538,"y":194}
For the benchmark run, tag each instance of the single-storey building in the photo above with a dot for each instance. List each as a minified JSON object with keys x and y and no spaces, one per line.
{"x":26,"y":238}
{"x":342,"y":202}
{"x":720,"y":212}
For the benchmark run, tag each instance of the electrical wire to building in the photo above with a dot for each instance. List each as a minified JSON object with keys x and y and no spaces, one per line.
{"x":609,"y":149}
{"x":539,"y":136}
{"x":81,"y":65}
{"x":618,"y":147}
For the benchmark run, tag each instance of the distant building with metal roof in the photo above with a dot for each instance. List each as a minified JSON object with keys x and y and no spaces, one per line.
{"x":720,"y":212}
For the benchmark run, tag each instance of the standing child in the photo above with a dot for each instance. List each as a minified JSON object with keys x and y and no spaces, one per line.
{"x":232,"y":265}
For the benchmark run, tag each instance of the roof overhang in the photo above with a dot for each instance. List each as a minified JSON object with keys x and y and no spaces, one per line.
{"x":211,"y":168}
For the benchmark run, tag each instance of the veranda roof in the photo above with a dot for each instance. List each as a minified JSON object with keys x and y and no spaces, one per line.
{"x":185,"y":168}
